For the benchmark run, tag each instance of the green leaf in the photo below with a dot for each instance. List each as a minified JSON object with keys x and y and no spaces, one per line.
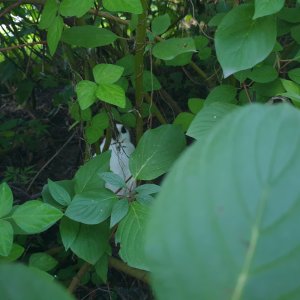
{"x":234,"y":235}
{"x":48,"y":15}
{"x":291,"y":15}
{"x":6,"y":199}
{"x":222,"y":93}
{"x":88,"y":36}
{"x":87,"y":178}
{"x":147,"y":189}
{"x":263,"y":74}
{"x":144,"y":199}
{"x":119,"y":211}
{"x":107,"y":73}
{"x":156,"y":151}
{"x":294,"y":74}
{"x":68,"y":231}
{"x":59,"y":193}
{"x":236,"y":46}
{"x":34,"y":216}
{"x":150,"y":82}
{"x":113,"y":179}
{"x":86,"y":93}
{"x":131,"y":236}
{"x":160,"y":24}
{"x":180,"y":60}
{"x":77,"y":8}
{"x":267,"y":7}
{"x":6,"y":237}
{"x":91,"y":242}
{"x":101,"y":120}
{"x":93,"y":134}
{"x":91,"y":207}
{"x":184,"y":120}
{"x":200,"y":42}
{"x":172,"y":47}
{"x":208,"y":118}
{"x":195,"y":105}
{"x":130,"y":6}
{"x":15,"y":253}
{"x":112,"y":94}
{"x":42,"y":261}
{"x":54,"y":34}
{"x":101,"y":267}
{"x":295,"y":33}
{"x":26,"y":284}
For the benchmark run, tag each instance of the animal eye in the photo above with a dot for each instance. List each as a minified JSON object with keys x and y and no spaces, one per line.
{"x":123,"y":129}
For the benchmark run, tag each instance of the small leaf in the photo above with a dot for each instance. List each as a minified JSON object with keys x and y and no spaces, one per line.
{"x":107,"y":73}
{"x":294,"y":74}
{"x":119,"y":211}
{"x":34,"y":216}
{"x":131,"y":236}
{"x":77,"y":8}
{"x":48,"y":15}
{"x":144,"y":199}
{"x":6,"y":237}
{"x":101,"y":120}
{"x":68,"y":231}
{"x":263,"y":74}
{"x":148,"y":189}
{"x":91,"y":207}
{"x":172,"y":47}
{"x":195,"y":105}
{"x":222,"y":93}
{"x":113,"y":179}
{"x":160,"y":24}
{"x":112,"y":94}
{"x":88,"y":36}
{"x":130,"y":6}
{"x":54,"y":34}
{"x":93,"y":134}
{"x":15,"y":253}
{"x":42,"y":261}
{"x":91,"y":242}
{"x":184,"y":120}
{"x":58,"y":193}
{"x":101,"y":267}
{"x":267,"y":7}
{"x":6,"y":199}
{"x":86,"y":93}
{"x":156,"y":151}
{"x":236,"y":46}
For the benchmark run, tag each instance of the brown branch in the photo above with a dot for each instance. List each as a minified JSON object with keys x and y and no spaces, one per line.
{"x":10,"y":8}
{"x":76,"y":279}
{"x":22,"y":45}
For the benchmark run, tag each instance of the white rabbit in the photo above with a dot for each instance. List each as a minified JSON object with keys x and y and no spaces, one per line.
{"x":121,"y":149}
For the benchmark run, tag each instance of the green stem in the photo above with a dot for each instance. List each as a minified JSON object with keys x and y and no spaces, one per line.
{"x":140,"y":42}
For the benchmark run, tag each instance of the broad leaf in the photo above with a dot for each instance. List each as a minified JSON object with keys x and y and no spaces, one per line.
{"x":91,"y":207}
{"x":112,"y":94}
{"x":119,"y":211}
{"x":267,"y":7}
{"x":236,"y":46}
{"x":131,"y":236}
{"x":88,"y":36}
{"x":59,"y":193}
{"x":107,"y":73}
{"x":156,"y":151}
{"x":130,"y":6}
{"x":91,"y":242}
{"x":229,"y":218}
{"x":113,"y":179}
{"x":35,"y":216}
{"x":86,"y":93}
{"x":207,"y":119}
{"x":147,"y":189}
{"x":160,"y":24}
{"x":222,"y":93}
{"x":263,"y":74}
{"x":48,"y":15}
{"x":42,"y":261}
{"x":184,"y":120}
{"x":6,"y":237}
{"x":87,"y":178}
{"x":77,"y":8}
{"x":6,"y":199}
{"x":14,"y":254}
{"x":54,"y":34}
{"x":68,"y":231}
{"x":172,"y":47}
{"x":294,"y":74}
{"x":27,"y":284}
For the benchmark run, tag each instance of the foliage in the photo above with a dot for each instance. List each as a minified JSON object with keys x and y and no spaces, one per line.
{"x":162,"y":68}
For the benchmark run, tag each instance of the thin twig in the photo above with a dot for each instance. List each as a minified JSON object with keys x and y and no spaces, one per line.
{"x":23,"y":45}
{"x":50,"y":160}
{"x":76,"y":279}
{"x":11,"y":7}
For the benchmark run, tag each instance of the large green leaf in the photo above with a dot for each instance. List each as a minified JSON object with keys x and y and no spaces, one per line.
{"x":237,"y":45}
{"x":87,"y":178}
{"x":160,"y":24}
{"x":49,"y":13}
{"x":112,"y":94}
{"x":77,"y":8}
{"x":18,"y":282}
{"x":6,"y":199}
{"x":131,"y":236}
{"x":91,"y":242}
{"x":156,"y":151}
{"x":207,"y":119}
{"x":172,"y":47}
{"x":225,"y":225}
{"x":130,"y":6}
{"x":86,"y":93}
{"x":222,"y":93}
{"x":54,"y":34}
{"x":59,"y":193}
{"x":88,"y":36}
{"x":6,"y":237}
{"x":91,"y":207}
{"x":35,"y":216}
{"x":267,"y":7}
{"x":107,"y":73}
